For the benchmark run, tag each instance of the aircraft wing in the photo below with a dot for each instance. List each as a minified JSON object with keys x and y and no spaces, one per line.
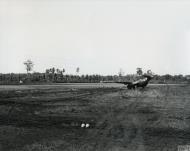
{"x":140,"y":80}
{"x":107,"y":82}
{"x":125,"y":83}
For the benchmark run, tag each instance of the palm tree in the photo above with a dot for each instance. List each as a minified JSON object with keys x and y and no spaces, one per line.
{"x":139,"y":71}
{"x":77,"y":70}
{"x":121,"y":72}
{"x":29,"y":65}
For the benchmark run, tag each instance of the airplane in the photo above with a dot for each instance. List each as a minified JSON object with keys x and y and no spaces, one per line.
{"x":139,"y":83}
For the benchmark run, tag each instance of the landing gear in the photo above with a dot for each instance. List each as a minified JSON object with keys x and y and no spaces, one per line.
{"x":131,"y":87}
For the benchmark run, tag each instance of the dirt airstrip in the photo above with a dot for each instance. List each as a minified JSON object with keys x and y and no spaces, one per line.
{"x":94,"y":117}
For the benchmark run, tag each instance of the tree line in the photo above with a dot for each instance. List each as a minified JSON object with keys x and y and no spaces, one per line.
{"x":55,"y":75}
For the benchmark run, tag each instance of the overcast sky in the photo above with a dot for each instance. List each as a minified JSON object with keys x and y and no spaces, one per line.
{"x":97,"y":36}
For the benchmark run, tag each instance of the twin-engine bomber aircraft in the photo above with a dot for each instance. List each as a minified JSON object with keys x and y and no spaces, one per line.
{"x":139,"y":83}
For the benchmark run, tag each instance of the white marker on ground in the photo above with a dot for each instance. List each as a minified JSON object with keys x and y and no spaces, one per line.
{"x":87,"y":125}
{"x":82,"y":125}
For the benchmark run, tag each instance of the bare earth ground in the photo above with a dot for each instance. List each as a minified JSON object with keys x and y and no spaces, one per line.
{"x":49,"y":117}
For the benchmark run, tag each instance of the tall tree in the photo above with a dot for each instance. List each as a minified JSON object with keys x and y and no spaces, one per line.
{"x":53,"y":70}
{"x":121,"y":72}
{"x":77,"y":70}
{"x":149,"y":72}
{"x":29,"y":65}
{"x":53,"y":73}
{"x":58,"y":71}
{"x":63,"y":70}
{"x":139,"y":71}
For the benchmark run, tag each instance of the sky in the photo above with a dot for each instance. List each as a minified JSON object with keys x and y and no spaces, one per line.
{"x":99,"y":36}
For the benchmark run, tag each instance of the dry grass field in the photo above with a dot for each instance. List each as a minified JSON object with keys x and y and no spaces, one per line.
{"x":49,"y":117}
